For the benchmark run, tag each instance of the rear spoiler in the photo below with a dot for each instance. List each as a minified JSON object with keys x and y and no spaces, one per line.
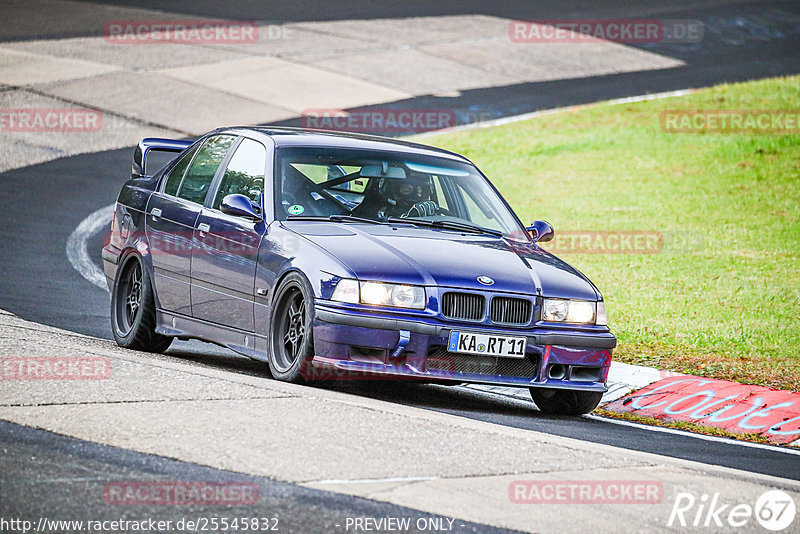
{"x":139,"y":166}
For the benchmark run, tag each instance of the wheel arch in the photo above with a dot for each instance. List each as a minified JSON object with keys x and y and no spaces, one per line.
{"x":139,"y":247}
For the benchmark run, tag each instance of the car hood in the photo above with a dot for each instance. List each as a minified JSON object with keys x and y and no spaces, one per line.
{"x":426,"y":256}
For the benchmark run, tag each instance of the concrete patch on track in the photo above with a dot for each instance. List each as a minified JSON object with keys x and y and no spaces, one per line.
{"x":62,"y":53}
{"x":25,"y":68}
{"x":35,"y":128}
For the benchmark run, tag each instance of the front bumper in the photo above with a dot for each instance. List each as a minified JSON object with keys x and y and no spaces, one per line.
{"x":357,"y":344}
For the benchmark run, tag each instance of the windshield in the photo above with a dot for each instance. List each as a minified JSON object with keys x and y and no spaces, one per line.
{"x":382,"y":186}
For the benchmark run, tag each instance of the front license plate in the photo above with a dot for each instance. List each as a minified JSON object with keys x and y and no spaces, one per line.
{"x":490,"y":345}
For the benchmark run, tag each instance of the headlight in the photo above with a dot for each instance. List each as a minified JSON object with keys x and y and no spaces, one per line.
{"x":380,"y":294}
{"x":573,"y":311}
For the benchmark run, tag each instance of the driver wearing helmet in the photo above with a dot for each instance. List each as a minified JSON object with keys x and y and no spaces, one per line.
{"x":409,"y":197}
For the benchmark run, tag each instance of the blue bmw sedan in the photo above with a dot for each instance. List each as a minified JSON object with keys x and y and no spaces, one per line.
{"x":341,"y":256}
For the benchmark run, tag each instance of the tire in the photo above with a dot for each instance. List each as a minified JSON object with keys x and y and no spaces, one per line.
{"x":565,"y":401}
{"x":291,"y":341}
{"x":133,"y":310}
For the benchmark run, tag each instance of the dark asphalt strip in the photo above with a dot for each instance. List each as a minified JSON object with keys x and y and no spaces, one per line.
{"x":47,"y":475}
{"x":279,"y":11}
{"x":41,"y":206}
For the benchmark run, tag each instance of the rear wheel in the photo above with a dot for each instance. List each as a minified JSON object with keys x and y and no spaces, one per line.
{"x":291,"y":337}
{"x":565,"y":401}
{"x":133,"y":310}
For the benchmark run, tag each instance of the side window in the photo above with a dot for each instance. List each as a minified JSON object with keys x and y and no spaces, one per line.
{"x":245,"y":173}
{"x":175,"y":176}
{"x":203,"y":168}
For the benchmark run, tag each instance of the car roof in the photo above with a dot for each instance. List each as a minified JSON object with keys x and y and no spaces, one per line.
{"x":299,"y":137}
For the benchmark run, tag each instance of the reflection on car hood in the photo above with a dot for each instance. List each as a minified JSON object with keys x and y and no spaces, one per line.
{"x":445,"y":258}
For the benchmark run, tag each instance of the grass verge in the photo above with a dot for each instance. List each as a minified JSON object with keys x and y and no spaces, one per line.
{"x":681,"y":425}
{"x":722,"y":298}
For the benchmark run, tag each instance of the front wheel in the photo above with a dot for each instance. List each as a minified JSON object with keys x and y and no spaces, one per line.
{"x":291,"y":337}
{"x":565,"y":401}
{"x":133,"y":309}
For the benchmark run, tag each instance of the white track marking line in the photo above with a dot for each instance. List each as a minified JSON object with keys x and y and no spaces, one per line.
{"x":533,"y":114}
{"x":77,"y":253}
{"x":497,"y":392}
{"x":369,"y":480}
{"x":717,"y":439}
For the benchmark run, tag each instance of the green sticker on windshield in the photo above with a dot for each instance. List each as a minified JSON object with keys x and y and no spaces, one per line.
{"x":296,"y":209}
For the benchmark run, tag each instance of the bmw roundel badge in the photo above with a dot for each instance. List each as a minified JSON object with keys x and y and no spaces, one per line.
{"x":485,"y":280}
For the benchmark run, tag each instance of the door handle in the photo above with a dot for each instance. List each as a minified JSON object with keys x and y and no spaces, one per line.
{"x":156,"y":213}
{"x":203,"y":228}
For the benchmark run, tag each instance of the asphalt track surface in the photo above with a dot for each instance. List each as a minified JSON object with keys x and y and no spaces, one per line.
{"x":65,"y":473}
{"x":42,"y":204}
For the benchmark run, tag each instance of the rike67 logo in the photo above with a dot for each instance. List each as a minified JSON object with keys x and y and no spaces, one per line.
{"x":774,"y":510}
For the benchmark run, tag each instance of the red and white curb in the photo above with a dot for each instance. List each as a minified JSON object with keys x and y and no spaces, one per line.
{"x":737,"y":408}
{"x":667,"y":396}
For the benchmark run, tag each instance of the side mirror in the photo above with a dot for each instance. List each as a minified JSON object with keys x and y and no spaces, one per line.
{"x":239,"y":206}
{"x":541,"y":231}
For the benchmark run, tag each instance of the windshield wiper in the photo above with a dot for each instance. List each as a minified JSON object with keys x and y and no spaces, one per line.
{"x":447,"y":225}
{"x":334,"y":218}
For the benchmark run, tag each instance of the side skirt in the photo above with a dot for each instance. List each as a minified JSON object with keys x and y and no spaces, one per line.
{"x":183,"y":327}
